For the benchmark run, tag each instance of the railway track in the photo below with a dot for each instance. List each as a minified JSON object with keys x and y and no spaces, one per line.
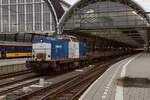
{"x":18,"y":83}
{"x":8,"y":85}
{"x":74,"y":88}
{"x":69,"y":89}
{"x":17,"y":86}
{"x":12,"y":81}
{"x":4,"y":76}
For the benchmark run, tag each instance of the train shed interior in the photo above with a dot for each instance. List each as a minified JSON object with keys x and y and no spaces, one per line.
{"x":108,"y":23}
{"x":91,"y":50}
{"x":115,"y":23}
{"x":26,"y":20}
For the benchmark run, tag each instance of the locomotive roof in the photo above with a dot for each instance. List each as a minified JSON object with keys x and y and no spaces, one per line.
{"x":48,"y":40}
{"x":51,"y":39}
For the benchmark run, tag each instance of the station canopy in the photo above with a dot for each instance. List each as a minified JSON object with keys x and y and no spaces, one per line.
{"x":24,"y":20}
{"x":121,"y":20}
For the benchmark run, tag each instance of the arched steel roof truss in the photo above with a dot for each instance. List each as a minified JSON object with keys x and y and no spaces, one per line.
{"x":120,"y":20}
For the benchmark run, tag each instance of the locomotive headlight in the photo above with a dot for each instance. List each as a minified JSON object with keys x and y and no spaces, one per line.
{"x":49,"y":56}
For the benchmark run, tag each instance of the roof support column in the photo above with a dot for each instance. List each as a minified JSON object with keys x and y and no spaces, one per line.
{"x":25,"y":14}
{"x":42,"y":15}
{"x":33,"y":15}
{"x":51,"y":22}
{"x":1,"y":17}
{"x":17,"y":15}
{"x":9,"y":15}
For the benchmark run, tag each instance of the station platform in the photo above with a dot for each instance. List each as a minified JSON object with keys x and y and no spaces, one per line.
{"x":4,"y":62}
{"x":125,"y":80}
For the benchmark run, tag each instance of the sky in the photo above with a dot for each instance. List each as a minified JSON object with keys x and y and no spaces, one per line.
{"x":144,"y":3}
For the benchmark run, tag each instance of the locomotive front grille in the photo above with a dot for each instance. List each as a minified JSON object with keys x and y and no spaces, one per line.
{"x":41,"y":56}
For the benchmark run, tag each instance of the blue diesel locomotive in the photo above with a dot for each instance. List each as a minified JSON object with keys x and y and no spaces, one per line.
{"x":15,"y":49}
{"x":54,"y":54}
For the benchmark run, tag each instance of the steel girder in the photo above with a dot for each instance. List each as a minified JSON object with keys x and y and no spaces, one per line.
{"x":121,"y":20}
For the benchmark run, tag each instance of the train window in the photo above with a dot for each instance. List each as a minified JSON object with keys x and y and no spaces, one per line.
{"x":16,"y":49}
{"x":28,"y":49}
{"x":3,"y":47}
{"x":21,"y":49}
{"x":9,"y":49}
{"x":13,"y":48}
{"x":6,"y":48}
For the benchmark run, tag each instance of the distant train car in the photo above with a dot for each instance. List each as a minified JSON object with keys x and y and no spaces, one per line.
{"x":15,"y":49}
{"x":53,"y":54}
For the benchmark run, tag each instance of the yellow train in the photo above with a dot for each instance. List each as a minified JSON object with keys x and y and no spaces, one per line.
{"x":15,"y":49}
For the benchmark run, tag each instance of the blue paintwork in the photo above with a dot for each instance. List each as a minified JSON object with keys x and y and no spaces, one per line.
{"x":59,"y":47}
{"x":82,"y":49}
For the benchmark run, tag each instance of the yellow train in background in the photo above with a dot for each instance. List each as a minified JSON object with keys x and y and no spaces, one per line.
{"x":15,"y":49}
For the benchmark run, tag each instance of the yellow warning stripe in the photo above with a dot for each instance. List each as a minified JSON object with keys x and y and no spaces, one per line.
{"x":17,"y":54}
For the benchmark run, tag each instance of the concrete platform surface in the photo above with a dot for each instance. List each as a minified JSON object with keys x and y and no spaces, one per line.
{"x":4,"y":62}
{"x":125,"y":80}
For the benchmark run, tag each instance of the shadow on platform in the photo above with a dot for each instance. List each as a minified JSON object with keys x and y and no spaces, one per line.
{"x":134,"y":82}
